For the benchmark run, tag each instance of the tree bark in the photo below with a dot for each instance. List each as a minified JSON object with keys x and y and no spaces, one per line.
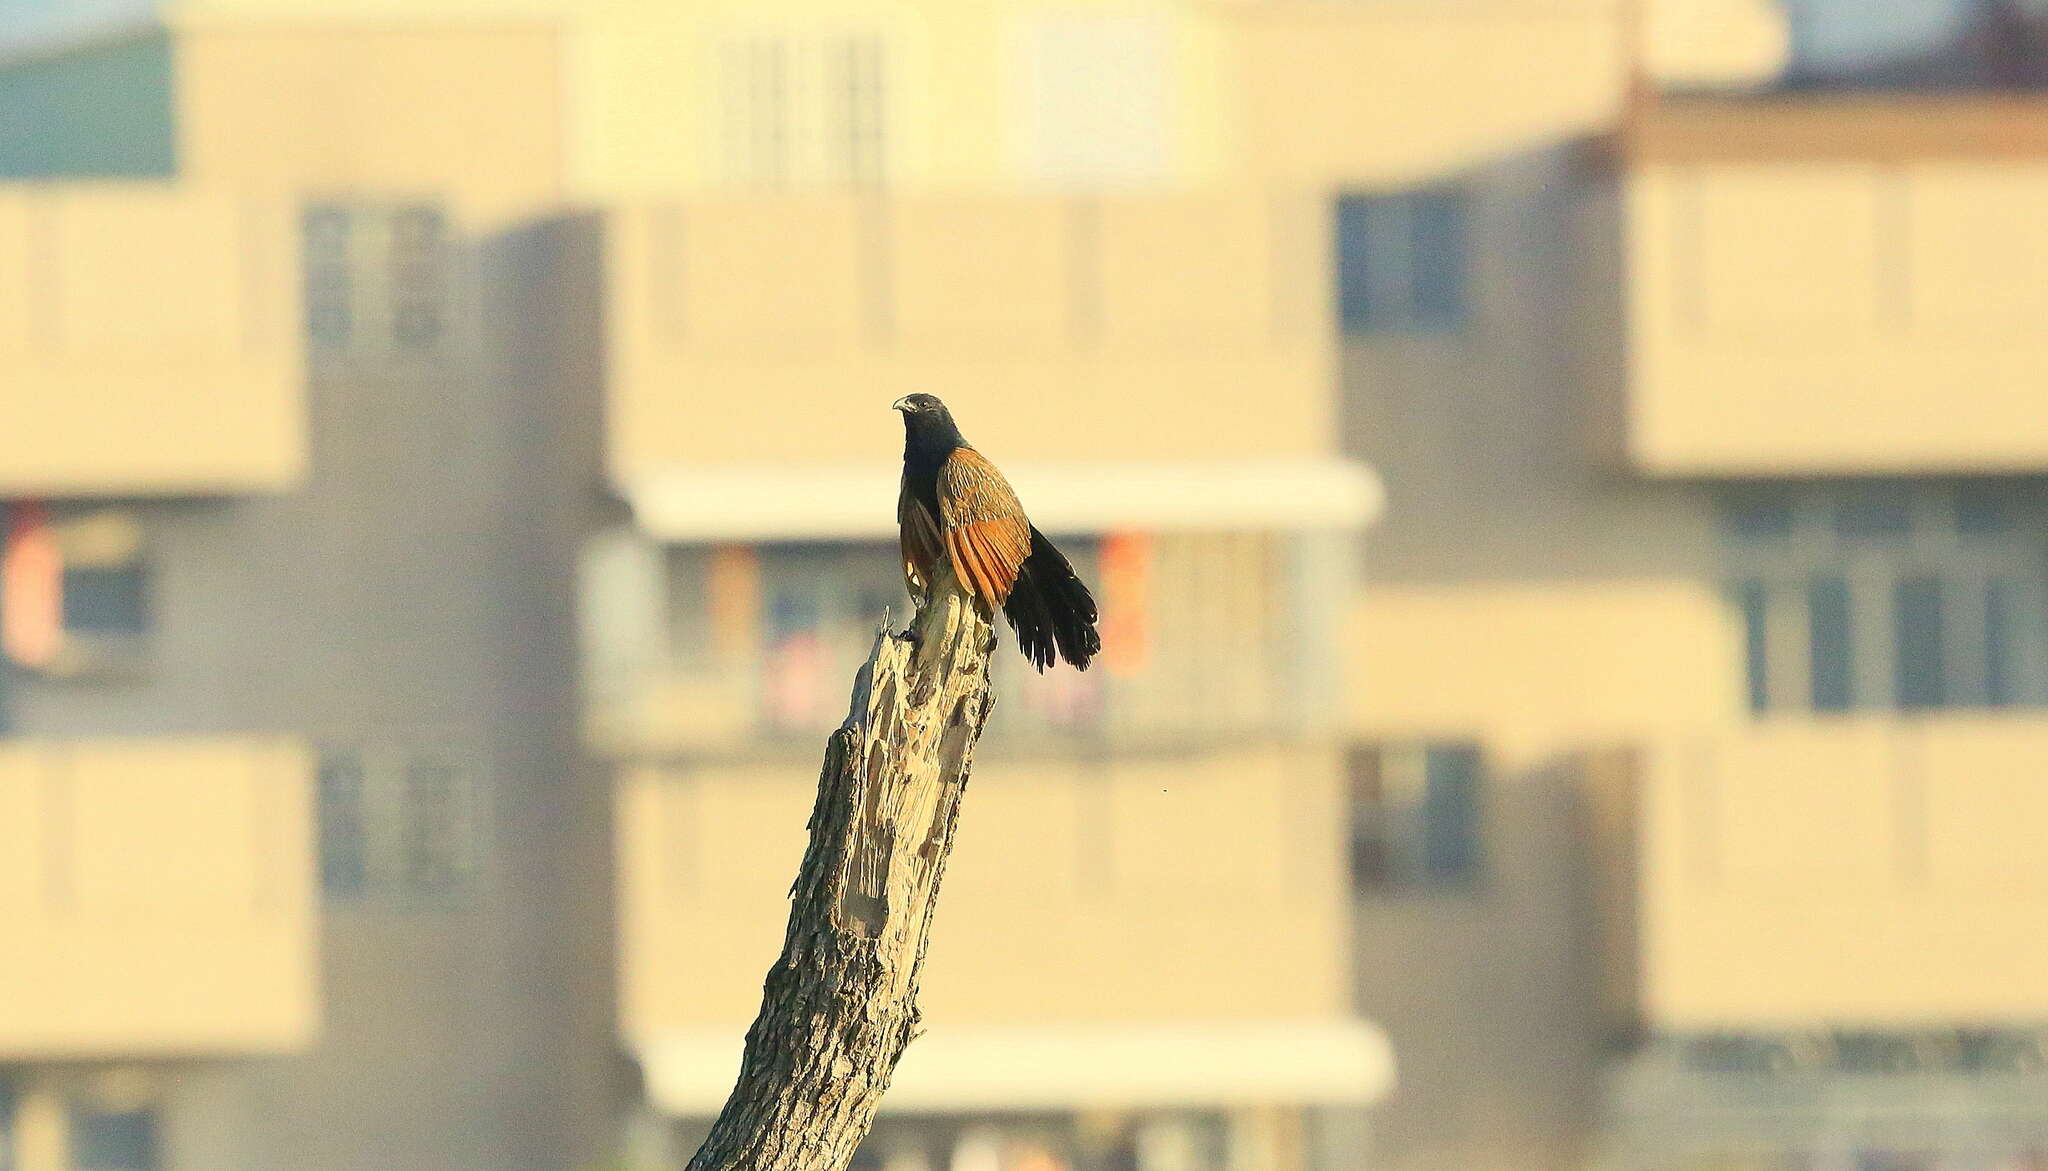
{"x":840,"y":1005}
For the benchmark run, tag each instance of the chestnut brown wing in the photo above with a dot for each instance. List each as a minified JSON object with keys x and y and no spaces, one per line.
{"x":982,"y":526}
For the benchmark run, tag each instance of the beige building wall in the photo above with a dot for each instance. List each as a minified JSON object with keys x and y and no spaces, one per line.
{"x":1003,"y":93}
{"x":470,"y":112}
{"x":1537,"y":667}
{"x":1918,"y":906}
{"x":1396,"y":93}
{"x":149,"y":341}
{"x":1787,"y":291}
{"x":157,"y":898}
{"x":1846,"y":311}
{"x":650,"y":95}
{"x":962,"y":91}
{"x":1182,"y":328}
{"x":1143,"y":889}
{"x":652,"y":98}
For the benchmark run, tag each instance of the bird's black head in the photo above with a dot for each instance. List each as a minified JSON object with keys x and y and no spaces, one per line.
{"x":927,"y":425}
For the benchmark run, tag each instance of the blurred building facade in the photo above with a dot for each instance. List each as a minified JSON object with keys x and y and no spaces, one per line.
{"x":344,"y":408}
{"x":1714,"y":547}
{"x":450,"y":489}
{"x":291,"y":776}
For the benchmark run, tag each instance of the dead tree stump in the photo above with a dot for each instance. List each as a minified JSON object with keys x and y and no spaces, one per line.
{"x":840,"y":1004}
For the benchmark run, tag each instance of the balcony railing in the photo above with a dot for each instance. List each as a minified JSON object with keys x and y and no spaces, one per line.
{"x":158,"y":898}
{"x":1180,"y":919}
{"x":1850,"y":291}
{"x":733,"y":650}
{"x":1841,"y":872}
{"x":149,"y":342}
{"x":1106,"y":328}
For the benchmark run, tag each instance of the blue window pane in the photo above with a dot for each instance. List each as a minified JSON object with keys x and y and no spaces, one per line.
{"x":1878,"y":513}
{"x":122,"y":1141}
{"x":344,"y":860}
{"x":1982,"y":512}
{"x":105,"y":601}
{"x":1751,"y":599}
{"x":1354,"y":260}
{"x":1437,"y":261}
{"x":1450,"y":821}
{"x":325,"y":240}
{"x":432,"y":829}
{"x":1999,"y":689}
{"x":1920,"y":672}
{"x":1831,"y":646}
{"x":1760,"y":515}
{"x":1401,"y":262}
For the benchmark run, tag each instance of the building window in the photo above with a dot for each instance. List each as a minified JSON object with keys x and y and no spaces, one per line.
{"x":1415,"y":816}
{"x":344,"y":829}
{"x":1833,"y":651}
{"x":1402,"y":262}
{"x":1756,"y":515}
{"x":113,"y":1140}
{"x":861,"y":132}
{"x":805,"y":110}
{"x":1890,"y":596}
{"x":1881,"y":512}
{"x":417,"y":268}
{"x":104,"y":599}
{"x":377,"y":279}
{"x":400,"y":826}
{"x":1921,"y":663}
{"x":74,"y":589}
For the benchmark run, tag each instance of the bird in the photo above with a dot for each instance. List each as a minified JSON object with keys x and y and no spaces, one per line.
{"x":955,"y":504}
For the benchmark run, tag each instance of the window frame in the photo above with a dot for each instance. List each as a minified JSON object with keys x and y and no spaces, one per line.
{"x":378,"y":280}
{"x":1980,"y":574}
{"x":1378,"y":251}
{"x":1397,"y":841}
{"x":375,"y":831}
{"x":93,"y":539}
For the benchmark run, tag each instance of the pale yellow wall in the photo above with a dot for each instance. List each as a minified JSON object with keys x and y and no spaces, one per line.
{"x":1177,"y":327}
{"x":1162,"y":889}
{"x":156,"y":898}
{"x":1400,"y":91}
{"x":1837,"y":317}
{"x":1537,"y":666}
{"x":1302,"y":92}
{"x":645,"y":88}
{"x":1695,"y":43}
{"x":468,"y":112}
{"x":1861,"y":872}
{"x":626,"y":97}
{"x":149,"y":341}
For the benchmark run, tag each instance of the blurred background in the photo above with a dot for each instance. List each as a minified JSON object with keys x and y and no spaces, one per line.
{"x":1564,"y":479}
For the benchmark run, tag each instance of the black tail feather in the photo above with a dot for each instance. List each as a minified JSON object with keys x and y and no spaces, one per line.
{"x":1051,"y":610}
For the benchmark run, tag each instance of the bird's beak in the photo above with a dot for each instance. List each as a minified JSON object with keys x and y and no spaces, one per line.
{"x":901,"y":404}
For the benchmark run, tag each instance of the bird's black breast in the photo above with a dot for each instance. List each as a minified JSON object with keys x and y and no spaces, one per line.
{"x":921,"y":476}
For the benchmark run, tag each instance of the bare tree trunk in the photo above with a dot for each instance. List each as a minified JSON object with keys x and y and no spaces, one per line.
{"x":841,"y":1004}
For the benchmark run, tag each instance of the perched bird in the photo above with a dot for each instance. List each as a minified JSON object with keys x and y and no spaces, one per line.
{"x":955,"y":504}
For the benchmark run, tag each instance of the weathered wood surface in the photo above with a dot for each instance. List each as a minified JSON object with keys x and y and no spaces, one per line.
{"x":840,"y":1004}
